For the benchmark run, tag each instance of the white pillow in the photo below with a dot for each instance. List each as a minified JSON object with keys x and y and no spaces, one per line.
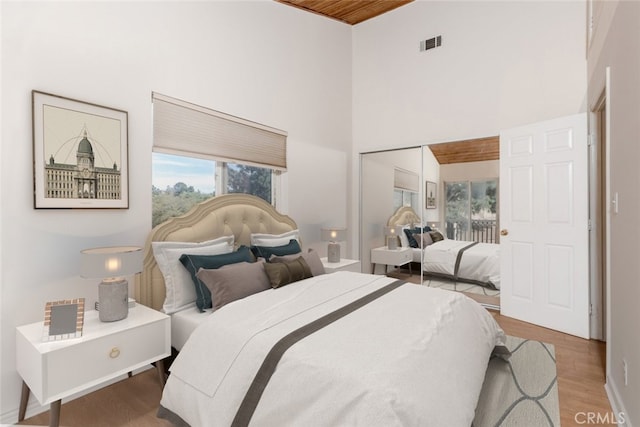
{"x":180,"y":290}
{"x":404,"y":240}
{"x":272,"y":240}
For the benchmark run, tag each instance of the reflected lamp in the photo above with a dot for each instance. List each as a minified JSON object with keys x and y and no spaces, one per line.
{"x":112,"y":264}
{"x":392,"y":235}
{"x":333,"y":236}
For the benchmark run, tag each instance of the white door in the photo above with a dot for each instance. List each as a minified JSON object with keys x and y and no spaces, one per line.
{"x":544,"y":220}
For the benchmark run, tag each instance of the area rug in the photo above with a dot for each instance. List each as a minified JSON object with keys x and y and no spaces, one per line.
{"x":521,"y":391}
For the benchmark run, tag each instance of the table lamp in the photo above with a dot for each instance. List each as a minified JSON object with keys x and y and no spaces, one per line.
{"x":333,"y":236}
{"x":392,"y":236}
{"x":111,"y":264}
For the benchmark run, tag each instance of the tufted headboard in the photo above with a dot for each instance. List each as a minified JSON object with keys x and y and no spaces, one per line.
{"x":230,"y":214}
{"x":403,"y":216}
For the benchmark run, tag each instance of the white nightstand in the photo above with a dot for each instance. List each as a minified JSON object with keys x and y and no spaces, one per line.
{"x":343,"y":265}
{"x":383,"y":255}
{"x":53,"y":370}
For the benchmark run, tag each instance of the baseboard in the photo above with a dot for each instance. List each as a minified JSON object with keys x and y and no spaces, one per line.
{"x":617,"y":406}
{"x":34,"y":407}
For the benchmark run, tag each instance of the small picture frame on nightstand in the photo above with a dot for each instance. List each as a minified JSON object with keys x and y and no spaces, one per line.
{"x":63,"y":319}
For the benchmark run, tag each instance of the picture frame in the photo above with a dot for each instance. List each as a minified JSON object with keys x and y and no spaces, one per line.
{"x":63,"y":319}
{"x":80,"y":154}
{"x":430,"y":195}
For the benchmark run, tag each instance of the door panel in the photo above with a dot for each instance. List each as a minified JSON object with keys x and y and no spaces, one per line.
{"x":544,"y":195}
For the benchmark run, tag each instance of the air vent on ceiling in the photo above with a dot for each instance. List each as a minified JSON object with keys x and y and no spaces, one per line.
{"x":430,"y":43}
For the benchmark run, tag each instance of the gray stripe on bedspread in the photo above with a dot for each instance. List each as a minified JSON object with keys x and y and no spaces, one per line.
{"x":459,"y":259}
{"x":268,"y":367}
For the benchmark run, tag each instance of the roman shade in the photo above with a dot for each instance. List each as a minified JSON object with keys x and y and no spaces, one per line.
{"x":180,"y":127}
{"x":406,"y":180}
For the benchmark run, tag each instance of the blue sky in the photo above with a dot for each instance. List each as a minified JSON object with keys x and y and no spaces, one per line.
{"x":169,"y":169}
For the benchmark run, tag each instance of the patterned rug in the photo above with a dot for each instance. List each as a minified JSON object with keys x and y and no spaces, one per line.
{"x":522,"y":391}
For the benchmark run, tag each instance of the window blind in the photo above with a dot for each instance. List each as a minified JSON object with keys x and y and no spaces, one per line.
{"x":406,"y":180}
{"x":180,"y":127}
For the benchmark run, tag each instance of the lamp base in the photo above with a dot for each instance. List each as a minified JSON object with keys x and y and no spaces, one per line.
{"x":333,"y":252}
{"x":392,"y":243}
{"x":113,"y":300}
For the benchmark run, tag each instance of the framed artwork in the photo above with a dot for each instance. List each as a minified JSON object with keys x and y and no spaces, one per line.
{"x":80,"y":154}
{"x":63,"y":319}
{"x":430,"y":195}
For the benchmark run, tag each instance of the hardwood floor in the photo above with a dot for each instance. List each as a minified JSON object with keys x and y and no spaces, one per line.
{"x":134,"y":401}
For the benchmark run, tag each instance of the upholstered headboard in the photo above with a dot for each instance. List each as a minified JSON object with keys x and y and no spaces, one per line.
{"x":403,"y":216}
{"x":230,"y":214}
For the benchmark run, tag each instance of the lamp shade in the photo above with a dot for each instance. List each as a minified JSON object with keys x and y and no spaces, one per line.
{"x":110,"y":262}
{"x":334,"y":234}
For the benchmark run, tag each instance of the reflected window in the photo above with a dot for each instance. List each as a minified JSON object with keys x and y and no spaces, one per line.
{"x":471,"y":210}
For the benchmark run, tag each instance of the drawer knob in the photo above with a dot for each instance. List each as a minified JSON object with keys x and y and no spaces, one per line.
{"x":115,"y":352}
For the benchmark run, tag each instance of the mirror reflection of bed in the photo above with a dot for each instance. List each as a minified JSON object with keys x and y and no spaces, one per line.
{"x":465,"y":176}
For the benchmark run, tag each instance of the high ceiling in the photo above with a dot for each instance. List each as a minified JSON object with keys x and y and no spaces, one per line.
{"x":349,"y":11}
{"x":471,"y":150}
{"x":353,"y":12}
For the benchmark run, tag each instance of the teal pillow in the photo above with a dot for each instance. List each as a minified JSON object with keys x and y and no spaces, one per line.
{"x":193,"y":263}
{"x":293,"y":247}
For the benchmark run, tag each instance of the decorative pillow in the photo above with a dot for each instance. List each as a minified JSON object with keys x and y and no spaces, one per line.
{"x":311,"y":258}
{"x":271,"y":240}
{"x":283,"y":273}
{"x":180,"y":291}
{"x":410,"y":232}
{"x":293,"y":247}
{"x":193,"y":263}
{"x":235,"y":281}
{"x":424,"y":239}
{"x":436,"y":236}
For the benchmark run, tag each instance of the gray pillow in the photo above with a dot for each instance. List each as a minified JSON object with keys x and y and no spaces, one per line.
{"x":234,"y":281}
{"x":283,"y":273}
{"x":424,"y":239}
{"x":312,"y":259}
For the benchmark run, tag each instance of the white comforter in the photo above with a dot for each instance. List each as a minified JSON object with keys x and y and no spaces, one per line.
{"x":414,"y":357}
{"x":480,"y":262}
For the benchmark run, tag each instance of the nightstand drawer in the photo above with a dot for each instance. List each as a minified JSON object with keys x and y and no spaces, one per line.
{"x":100,"y":359}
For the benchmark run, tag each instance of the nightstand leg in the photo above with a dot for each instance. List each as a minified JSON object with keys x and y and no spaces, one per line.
{"x":24,"y":400}
{"x":160,"y":369}
{"x":54,"y":413}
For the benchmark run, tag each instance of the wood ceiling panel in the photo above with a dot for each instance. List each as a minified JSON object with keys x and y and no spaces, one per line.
{"x":349,"y":11}
{"x":471,"y":150}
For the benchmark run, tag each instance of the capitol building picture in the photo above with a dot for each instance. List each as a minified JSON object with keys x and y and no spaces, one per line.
{"x":82,"y":180}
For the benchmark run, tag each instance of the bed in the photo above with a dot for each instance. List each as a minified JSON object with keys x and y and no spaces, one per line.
{"x":457,"y":260}
{"x":342,"y":348}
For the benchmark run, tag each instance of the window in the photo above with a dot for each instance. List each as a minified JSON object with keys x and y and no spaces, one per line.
{"x":180,"y":182}
{"x":199,"y":153}
{"x":471,"y":210}
{"x":406,"y":185}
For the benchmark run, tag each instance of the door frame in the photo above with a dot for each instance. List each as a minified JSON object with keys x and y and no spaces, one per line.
{"x":600,"y":214}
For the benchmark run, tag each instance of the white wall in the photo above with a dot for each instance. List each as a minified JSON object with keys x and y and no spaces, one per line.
{"x":259,"y":60}
{"x":501,"y":64}
{"x":617,"y":46}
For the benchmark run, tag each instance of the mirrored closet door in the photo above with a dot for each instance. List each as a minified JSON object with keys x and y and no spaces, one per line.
{"x":435,"y":193}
